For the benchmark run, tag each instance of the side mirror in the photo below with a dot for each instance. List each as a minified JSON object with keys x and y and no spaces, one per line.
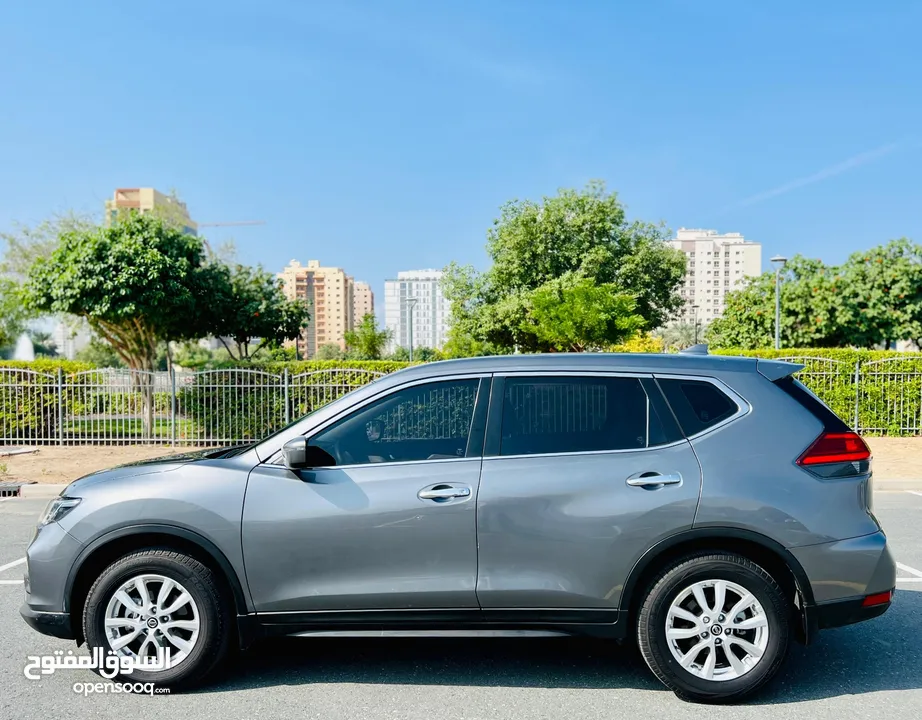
{"x":299,"y":454}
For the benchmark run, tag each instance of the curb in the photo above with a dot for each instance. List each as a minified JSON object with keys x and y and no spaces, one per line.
{"x":41,"y":490}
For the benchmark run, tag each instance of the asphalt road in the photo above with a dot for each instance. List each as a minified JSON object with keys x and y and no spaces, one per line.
{"x":872,"y":670}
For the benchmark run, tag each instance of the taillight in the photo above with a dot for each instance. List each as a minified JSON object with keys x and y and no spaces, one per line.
{"x":835,"y":447}
{"x":878,"y":599}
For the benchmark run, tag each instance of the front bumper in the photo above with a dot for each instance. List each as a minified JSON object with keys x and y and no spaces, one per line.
{"x":56,"y":624}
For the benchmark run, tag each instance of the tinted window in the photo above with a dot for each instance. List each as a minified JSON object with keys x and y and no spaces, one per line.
{"x":575,"y":414}
{"x":423,"y":422}
{"x":697,"y":405}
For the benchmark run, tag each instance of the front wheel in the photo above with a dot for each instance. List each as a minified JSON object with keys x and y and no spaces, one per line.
{"x":155,"y":604}
{"x":714,"y":628}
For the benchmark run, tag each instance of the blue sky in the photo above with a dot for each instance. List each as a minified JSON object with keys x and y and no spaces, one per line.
{"x":384,"y":136}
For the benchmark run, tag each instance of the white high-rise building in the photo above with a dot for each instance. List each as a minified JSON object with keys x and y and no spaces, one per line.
{"x":416,"y":293}
{"x":716,"y":264}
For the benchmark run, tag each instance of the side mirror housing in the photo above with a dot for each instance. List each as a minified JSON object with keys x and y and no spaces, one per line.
{"x":299,"y":454}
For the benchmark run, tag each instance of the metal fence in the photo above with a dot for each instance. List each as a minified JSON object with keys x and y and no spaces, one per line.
{"x":118,"y":407}
{"x":218,"y":407}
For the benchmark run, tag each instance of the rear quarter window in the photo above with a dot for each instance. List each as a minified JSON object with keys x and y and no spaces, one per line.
{"x":697,"y":404}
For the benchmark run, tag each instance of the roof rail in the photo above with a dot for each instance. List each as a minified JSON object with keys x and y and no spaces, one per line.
{"x":700,"y":349}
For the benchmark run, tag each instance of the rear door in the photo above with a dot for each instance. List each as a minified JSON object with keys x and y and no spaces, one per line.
{"x":582,"y":474}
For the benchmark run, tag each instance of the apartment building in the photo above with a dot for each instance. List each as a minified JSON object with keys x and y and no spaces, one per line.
{"x":363,"y":301}
{"x":330,"y":294}
{"x":716,"y":264}
{"x":416,"y":295}
{"x":145,"y":200}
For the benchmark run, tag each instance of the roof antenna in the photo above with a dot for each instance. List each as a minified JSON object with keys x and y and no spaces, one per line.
{"x":699,"y":349}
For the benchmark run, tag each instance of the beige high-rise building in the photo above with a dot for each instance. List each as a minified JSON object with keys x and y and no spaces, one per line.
{"x":146,"y":200}
{"x":330,"y":295}
{"x":364,"y":303}
{"x":715,"y":265}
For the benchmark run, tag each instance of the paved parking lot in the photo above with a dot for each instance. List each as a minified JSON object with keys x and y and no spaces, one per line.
{"x":873,"y":670}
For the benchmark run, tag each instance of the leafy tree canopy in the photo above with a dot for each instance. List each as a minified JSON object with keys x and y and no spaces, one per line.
{"x":248,"y":305}
{"x":366,"y":341}
{"x":559,"y":248}
{"x":874,"y":298}
{"x":137,"y":282}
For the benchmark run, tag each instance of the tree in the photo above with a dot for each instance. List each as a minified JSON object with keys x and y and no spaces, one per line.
{"x":578,"y":235}
{"x":367,"y":342}
{"x":138,"y":282}
{"x":880,"y":298}
{"x":101,"y":354}
{"x":330,"y":351}
{"x":248,"y":306}
{"x":43,"y":343}
{"x":679,"y":335}
{"x":12,"y":314}
{"x":874,"y":298}
{"x":574,"y":314}
{"x":25,"y":245}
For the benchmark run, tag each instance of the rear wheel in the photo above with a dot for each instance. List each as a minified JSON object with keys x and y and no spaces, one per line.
{"x":159,"y":603}
{"x":714,"y":627}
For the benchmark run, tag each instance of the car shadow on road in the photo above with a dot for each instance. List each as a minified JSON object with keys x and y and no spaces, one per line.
{"x":882,"y":654}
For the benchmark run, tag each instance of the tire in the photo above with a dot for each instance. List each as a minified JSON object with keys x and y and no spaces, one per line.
{"x":764,"y":626}
{"x":207,"y":613}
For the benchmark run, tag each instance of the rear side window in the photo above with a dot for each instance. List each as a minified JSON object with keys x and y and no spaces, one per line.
{"x":808,"y":399}
{"x":698,"y":405}
{"x":577,"y":414}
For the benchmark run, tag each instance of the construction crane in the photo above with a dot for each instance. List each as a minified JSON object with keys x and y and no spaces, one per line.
{"x":227,"y":224}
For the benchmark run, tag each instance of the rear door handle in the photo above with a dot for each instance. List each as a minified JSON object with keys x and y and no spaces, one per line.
{"x":442,"y":492}
{"x":654,"y":479}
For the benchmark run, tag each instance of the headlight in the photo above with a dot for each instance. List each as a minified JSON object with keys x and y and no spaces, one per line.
{"x":57,"y":508}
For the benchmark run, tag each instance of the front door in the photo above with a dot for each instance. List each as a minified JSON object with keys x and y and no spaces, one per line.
{"x":586,"y":474}
{"x":392,"y":526}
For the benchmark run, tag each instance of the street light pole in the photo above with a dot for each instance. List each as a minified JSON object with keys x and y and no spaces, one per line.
{"x":778,"y":261}
{"x":411,"y":303}
{"x":695,"y":308}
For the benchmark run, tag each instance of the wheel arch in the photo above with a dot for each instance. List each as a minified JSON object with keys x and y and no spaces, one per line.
{"x":770,"y":554}
{"x":107,"y":548}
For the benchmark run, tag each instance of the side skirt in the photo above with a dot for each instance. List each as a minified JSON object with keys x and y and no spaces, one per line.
{"x":538,"y":622}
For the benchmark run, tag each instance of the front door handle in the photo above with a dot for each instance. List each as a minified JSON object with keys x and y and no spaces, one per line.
{"x":654,"y":480}
{"x":440,"y":493}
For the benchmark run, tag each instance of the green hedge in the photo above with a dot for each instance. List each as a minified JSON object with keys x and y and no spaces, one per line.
{"x":297,"y":367}
{"x":888,"y":394}
{"x":48,"y":365}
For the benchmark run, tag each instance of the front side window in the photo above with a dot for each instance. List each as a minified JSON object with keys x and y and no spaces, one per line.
{"x":577,"y":414}
{"x":422,"y":422}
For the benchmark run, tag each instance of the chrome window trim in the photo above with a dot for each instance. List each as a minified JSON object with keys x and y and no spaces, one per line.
{"x":581,"y":453}
{"x":275,"y":458}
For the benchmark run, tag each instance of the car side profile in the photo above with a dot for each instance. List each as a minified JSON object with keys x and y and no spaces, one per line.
{"x":710,"y":508}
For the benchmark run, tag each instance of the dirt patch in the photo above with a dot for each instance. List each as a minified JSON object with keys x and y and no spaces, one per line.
{"x":63,"y":464}
{"x":894,"y":459}
{"x":897,"y":458}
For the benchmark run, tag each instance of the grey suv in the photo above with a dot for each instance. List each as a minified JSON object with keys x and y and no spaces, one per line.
{"x":710,"y":507}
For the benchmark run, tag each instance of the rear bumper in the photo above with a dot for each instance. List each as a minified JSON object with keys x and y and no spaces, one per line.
{"x":845,"y":570}
{"x":56,"y":624}
{"x":847,"y":612}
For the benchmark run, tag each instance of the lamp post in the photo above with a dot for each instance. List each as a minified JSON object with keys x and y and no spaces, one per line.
{"x":411,"y":303}
{"x":695,"y":308}
{"x":778,"y":261}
